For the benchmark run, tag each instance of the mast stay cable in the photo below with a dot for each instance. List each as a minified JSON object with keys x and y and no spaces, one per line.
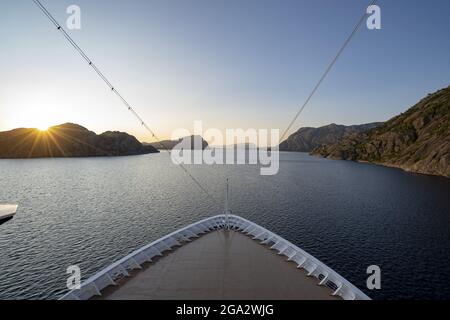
{"x":117,"y":93}
{"x":326,"y":72}
{"x":142,"y":122}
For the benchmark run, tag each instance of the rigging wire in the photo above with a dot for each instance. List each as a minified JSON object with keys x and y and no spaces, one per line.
{"x":327,"y":71}
{"x":138,"y":117}
{"x":117,"y":93}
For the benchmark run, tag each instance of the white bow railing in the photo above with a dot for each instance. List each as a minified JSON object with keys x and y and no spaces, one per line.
{"x":119,"y":269}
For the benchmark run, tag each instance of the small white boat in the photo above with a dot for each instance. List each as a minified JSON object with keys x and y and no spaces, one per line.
{"x":7,"y":211}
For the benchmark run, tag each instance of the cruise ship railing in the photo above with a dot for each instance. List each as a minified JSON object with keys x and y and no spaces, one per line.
{"x":123,"y":267}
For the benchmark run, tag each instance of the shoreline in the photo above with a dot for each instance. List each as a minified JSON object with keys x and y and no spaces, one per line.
{"x":81,"y":157}
{"x":386,"y":165}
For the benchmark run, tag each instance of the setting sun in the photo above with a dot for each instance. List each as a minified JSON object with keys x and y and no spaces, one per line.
{"x":42,"y":128}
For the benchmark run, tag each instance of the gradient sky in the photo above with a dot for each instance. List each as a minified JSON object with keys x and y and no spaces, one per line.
{"x":231,"y":64}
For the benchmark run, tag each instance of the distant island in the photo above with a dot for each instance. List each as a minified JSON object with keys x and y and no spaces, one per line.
{"x":68,"y":140}
{"x":170,"y":144}
{"x":417,"y":140}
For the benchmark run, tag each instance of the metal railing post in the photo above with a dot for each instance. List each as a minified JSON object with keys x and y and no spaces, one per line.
{"x":227,"y":225}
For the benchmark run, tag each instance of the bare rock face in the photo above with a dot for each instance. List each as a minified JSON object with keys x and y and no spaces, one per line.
{"x":306,"y":139}
{"x":417,"y":140}
{"x":68,"y":140}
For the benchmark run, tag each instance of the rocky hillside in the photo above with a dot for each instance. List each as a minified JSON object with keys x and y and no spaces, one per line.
{"x":307,"y":139}
{"x":417,"y":140}
{"x":68,"y":140}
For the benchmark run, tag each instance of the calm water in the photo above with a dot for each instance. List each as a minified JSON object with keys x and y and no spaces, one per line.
{"x":93,"y":211}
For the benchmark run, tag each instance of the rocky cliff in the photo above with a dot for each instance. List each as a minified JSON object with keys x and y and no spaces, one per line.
{"x":417,"y":140}
{"x":307,"y":139}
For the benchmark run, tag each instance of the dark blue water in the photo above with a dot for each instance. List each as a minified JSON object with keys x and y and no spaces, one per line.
{"x":93,"y":211}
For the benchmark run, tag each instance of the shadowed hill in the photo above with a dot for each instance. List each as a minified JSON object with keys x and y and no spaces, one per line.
{"x":68,"y":140}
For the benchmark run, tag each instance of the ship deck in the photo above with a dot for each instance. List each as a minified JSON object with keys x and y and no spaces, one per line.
{"x":219,"y":265}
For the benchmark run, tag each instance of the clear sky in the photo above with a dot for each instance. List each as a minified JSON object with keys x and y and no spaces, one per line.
{"x":230,"y":63}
